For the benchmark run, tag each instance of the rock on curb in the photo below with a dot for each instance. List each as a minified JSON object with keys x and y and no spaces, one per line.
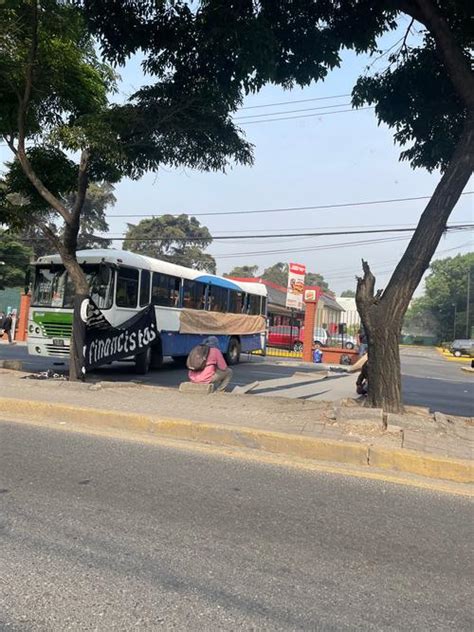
{"x":13,"y":365}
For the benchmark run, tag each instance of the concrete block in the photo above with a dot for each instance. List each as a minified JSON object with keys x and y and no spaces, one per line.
{"x":365,"y":414}
{"x":241,"y":390}
{"x":442,"y":419}
{"x":200,"y":389}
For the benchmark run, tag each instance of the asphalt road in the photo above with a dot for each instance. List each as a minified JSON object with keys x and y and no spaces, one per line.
{"x":428,"y":379}
{"x":105,"y":534}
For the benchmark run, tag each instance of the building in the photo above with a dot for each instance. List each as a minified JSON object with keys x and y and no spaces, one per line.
{"x":328,"y":312}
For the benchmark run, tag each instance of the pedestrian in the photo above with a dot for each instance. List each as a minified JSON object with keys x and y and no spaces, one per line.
{"x":215,"y":370}
{"x":362,"y":384}
{"x":362,"y":342}
{"x":7,"y":327}
{"x":2,"y":320}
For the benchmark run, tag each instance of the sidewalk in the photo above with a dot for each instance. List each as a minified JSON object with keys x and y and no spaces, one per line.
{"x":268,"y":423}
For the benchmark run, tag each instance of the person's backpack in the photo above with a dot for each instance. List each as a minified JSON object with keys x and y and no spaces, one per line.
{"x":197,"y":358}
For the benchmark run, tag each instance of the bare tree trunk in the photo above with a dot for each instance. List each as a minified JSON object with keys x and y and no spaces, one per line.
{"x":382,"y":312}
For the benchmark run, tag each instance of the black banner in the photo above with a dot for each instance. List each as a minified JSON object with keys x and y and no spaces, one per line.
{"x":104,"y":343}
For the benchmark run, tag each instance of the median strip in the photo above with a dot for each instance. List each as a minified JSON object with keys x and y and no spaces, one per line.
{"x":292,"y":445}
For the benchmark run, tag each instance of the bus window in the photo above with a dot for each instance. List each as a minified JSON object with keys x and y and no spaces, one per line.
{"x":253,"y":304}
{"x":217,"y":299}
{"x":165,"y":290}
{"x":145,"y":288}
{"x":194,"y":294}
{"x":236,"y":302}
{"x":127,"y":287}
{"x":263,"y":310}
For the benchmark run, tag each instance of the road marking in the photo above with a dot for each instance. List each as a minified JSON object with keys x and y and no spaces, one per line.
{"x":259,"y":457}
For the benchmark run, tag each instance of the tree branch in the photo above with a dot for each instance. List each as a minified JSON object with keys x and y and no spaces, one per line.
{"x":82,"y":184}
{"x":432,"y":225}
{"x":23,"y":106}
{"x":426,"y":12}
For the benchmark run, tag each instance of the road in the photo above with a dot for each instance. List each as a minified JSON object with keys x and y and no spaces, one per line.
{"x":104,"y":534}
{"x":428,"y":379}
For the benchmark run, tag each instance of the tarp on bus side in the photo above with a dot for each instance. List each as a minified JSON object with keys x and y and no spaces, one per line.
{"x":194,"y":321}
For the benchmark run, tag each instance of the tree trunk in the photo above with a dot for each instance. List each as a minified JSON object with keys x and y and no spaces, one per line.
{"x":81,"y":291}
{"x":385,"y":386}
{"x":382,"y":312}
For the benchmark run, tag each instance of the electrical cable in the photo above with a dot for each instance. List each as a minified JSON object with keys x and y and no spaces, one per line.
{"x":317,"y":207}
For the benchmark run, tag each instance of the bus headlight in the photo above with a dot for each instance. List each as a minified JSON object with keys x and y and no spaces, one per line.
{"x":37,"y":330}
{"x":30,"y":329}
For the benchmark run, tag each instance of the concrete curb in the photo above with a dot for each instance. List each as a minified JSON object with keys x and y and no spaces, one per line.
{"x":405,"y":461}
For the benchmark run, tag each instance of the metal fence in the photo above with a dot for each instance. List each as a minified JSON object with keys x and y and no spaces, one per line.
{"x":332,"y":329}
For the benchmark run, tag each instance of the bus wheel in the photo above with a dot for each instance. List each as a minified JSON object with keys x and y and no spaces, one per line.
{"x":233,"y":352}
{"x":143,"y":362}
{"x":156,"y":357}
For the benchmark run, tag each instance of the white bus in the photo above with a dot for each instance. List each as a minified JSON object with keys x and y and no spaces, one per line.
{"x":189,"y":304}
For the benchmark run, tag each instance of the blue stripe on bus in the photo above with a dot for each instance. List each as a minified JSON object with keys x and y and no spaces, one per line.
{"x":176,"y":344}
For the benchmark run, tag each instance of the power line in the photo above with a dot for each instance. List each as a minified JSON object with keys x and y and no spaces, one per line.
{"x":318,"y":207}
{"x":194,"y":238}
{"x":267,"y":105}
{"x":324,"y":107}
{"x":300,"y":116}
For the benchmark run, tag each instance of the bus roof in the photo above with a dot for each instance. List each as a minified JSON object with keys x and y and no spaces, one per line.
{"x":126,"y":258}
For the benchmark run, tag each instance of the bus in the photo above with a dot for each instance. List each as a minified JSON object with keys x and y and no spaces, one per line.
{"x":189,"y":305}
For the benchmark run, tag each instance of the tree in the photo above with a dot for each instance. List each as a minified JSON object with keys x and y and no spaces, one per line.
{"x":348,"y":294}
{"x":446,"y":308}
{"x":98,"y":198}
{"x":277,"y":273}
{"x":14,"y":260}
{"x":243,"y":272}
{"x":54,"y":107}
{"x":426,"y":94}
{"x":178,"y":239}
{"x":314,"y":278}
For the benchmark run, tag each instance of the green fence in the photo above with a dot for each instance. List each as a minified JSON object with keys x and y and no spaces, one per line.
{"x":10,"y":298}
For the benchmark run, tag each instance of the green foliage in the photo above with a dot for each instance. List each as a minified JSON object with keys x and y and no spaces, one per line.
{"x":348,"y":294}
{"x":314,"y":278}
{"x":277,"y":273}
{"x":243,"y":272}
{"x":99,"y":197}
{"x":178,"y":239}
{"x":239,"y":46}
{"x":14,"y":260}
{"x":49,"y":58}
{"x":445,"y":296}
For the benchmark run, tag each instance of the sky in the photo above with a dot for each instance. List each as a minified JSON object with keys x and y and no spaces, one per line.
{"x":317,"y":160}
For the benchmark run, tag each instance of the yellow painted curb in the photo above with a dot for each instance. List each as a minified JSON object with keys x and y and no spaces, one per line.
{"x":412,"y":462}
{"x":450,"y":358}
{"x":406,"y":461}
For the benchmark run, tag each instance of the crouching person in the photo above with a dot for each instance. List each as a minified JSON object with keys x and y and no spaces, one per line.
{"x":206,"y":365}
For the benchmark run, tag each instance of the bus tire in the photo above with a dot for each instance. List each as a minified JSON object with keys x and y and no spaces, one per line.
{"x":156,"y":356}
{"x":233,"y":352}
{"x":143,"y":362}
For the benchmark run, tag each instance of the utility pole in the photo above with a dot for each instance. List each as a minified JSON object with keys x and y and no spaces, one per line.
{"x":468,"y":299}
{"x":455,"y":315}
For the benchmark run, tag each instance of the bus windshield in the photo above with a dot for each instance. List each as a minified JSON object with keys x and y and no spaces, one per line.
{"x":53,"y":288}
